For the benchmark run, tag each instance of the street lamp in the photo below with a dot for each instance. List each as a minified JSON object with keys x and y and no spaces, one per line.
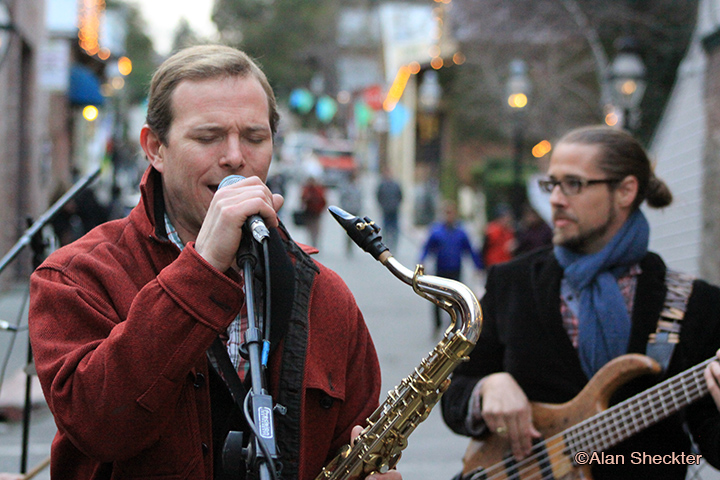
{"x":518,"y":90}
{"x":627,"y":79}
{"x":6,"y":29}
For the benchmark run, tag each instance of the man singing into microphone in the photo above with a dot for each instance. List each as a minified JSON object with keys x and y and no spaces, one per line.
{"x":121,"y":320}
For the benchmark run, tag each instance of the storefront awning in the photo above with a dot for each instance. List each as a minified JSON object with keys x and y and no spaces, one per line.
{"x":84,"y":87}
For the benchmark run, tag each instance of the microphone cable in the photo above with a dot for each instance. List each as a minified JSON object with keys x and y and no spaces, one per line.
{"x":268,"y":302}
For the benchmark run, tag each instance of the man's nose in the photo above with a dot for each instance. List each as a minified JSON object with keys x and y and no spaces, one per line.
{"x":232,"y":157}
{"x":557,"y":196}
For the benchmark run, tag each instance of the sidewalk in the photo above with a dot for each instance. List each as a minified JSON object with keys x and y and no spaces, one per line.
{"x":13,"y":358}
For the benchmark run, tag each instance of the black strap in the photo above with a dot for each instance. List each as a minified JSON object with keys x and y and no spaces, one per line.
{"x":220,"y":360}
{"x":282,"y":285}
{"x":282,"y":281}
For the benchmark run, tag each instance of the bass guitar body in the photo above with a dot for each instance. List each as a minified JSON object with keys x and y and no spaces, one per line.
{"x":490,"y":457}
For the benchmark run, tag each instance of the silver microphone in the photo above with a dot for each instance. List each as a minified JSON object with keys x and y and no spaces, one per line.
{"x":255,"y":222}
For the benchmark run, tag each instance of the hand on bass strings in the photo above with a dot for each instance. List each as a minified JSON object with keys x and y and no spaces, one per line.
{"x":506,"y":412}
{"x":712,"y":377}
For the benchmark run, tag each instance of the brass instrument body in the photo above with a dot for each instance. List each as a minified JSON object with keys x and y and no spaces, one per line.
{"x":379,"y":447}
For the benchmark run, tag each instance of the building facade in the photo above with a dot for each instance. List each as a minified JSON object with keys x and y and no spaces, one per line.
{"x":687,"y":155}
{"x":24,"y":142}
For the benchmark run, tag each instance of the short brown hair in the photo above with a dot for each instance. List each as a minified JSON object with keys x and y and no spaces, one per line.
{"x":199,"y":63}
{"x":622,"y":155}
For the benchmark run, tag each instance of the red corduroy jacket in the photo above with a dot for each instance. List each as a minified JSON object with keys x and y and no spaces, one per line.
{"x":120,"y":322}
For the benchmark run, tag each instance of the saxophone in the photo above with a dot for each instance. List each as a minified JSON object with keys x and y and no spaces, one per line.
{"x":379,"y":447}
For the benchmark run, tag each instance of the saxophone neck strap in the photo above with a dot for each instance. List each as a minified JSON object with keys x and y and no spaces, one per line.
{"x":220,"y":361}
{"x":661,"y":343}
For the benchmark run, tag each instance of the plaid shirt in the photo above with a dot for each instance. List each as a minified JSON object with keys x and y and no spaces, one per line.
{"x":232,"y":339}
{"x":570,"y":301}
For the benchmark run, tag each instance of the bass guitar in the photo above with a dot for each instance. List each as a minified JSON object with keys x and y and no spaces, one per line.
{"x":586,"y":424}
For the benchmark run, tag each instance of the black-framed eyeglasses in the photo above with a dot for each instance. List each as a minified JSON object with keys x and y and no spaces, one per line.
{"x":571,"y":185}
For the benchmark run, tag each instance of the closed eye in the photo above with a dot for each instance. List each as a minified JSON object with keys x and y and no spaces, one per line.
{"x":207,"y":138}
{"x":257,"y":140}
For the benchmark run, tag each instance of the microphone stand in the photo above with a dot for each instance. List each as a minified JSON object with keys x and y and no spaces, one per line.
{"x":46,"y":217}
{"x":32,"y":237}
{"x":264,"y":451}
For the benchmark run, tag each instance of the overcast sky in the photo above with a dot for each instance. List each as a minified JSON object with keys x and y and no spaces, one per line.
{"x":162,"y":17}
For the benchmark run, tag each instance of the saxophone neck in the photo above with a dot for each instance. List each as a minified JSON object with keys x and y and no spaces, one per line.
{"x":453,"y":296}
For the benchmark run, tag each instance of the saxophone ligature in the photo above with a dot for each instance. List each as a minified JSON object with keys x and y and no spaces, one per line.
{"x":379,"y":447}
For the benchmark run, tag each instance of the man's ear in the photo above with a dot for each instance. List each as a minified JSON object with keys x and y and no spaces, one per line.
{"x":627,"y":191}
{"x":153,"y":147}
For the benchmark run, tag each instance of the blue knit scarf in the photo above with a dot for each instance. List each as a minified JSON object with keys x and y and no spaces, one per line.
{"x":604,"y":322}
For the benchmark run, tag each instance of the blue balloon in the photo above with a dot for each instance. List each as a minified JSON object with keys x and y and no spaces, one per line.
{"x":301,"y":100}
{"x":325,"y":109}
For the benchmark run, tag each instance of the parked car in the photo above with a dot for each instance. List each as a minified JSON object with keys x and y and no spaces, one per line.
{"x":337,"y":158}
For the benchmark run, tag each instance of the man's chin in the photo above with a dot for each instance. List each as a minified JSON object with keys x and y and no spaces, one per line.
{"x":559,"y":237}
{"x":570,"y":242}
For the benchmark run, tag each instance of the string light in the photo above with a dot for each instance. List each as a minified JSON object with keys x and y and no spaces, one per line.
{"x":437,"y":62}
{"x":397,"y":88}
{"x":124,"y":66}
{"x":541,"y":149}
{"x":89,"y":12}
{"x":90,"y":113}
{"x":611,"y":119}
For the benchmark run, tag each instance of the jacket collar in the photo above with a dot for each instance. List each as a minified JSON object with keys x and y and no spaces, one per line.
{"x":546,"y":277}
{"x":153,"y":202}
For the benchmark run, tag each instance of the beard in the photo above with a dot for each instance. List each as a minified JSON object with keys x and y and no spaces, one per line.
{"x":581,"y":242}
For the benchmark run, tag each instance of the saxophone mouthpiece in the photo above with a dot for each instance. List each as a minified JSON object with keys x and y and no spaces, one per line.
{"x":362,"y":231}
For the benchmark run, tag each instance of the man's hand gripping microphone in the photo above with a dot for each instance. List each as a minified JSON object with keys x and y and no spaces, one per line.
{"x":254,"y":222}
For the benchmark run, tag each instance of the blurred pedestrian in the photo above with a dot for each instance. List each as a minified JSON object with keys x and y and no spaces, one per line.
{"x":499,"y":238}
{"x":448,"y":242}
{"x":351,"y":200}
{"x":277,"y":183}
{"x":389,"y":196}
{"x":78,"y":216}
{"x":533,"y":232}
{"x":313,"y":202}
{"x":116,"y":209}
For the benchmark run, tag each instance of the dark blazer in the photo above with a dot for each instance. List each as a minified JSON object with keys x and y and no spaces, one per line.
{"x":523,"y":334}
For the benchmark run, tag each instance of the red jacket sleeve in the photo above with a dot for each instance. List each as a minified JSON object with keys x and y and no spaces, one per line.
{"x":109,"y":342}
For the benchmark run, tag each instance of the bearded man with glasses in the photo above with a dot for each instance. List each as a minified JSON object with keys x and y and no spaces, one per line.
{"x":553,"y":318}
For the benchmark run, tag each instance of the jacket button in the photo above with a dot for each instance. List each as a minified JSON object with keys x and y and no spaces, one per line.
{"x":326,"y":402}
{"x":205,"y":449}
{"x":199,"y":380}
